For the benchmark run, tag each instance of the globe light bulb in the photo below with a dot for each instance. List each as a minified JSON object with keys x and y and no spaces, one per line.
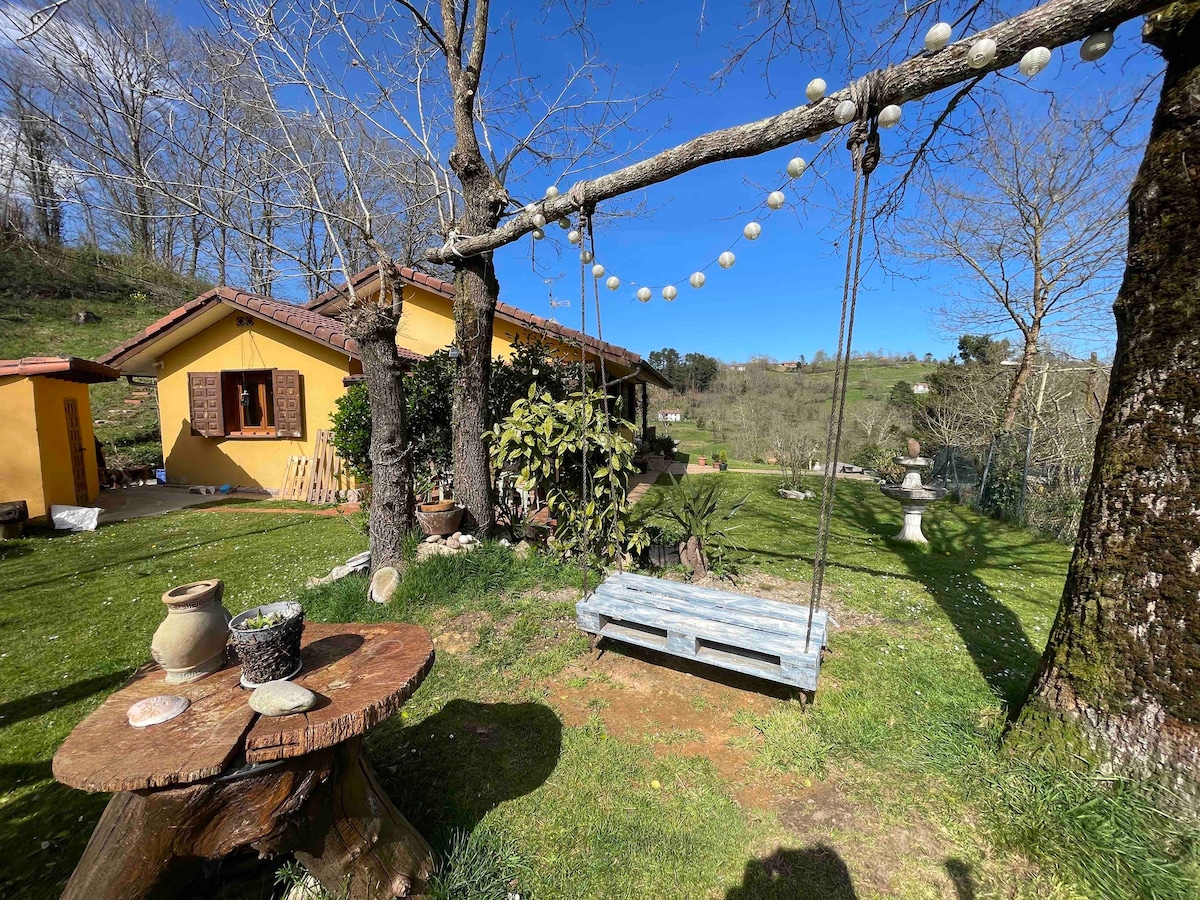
{"x":889,"y":116}
{"x":539,"y":220}
{"x":574,"y":237}
{"x":1096,"y":45}
{"x":796,"y":167}
{"x":551,"y":192}
{"x":982,"y":52}
{"x":644,"y":294}
{"x":613,"y":282}
{"x":670,"y":292}
{"x":597,"y":271}
{"x":752,"y":231}
{"x":776,"y":199}
{"x":938,"y":36}
{"x":1034,"y":61}
{"x":845,"y":112}
{"x":726,"y":260}
{"x":538,"y":234}
{"x":697,"y":280}
{"x":815,"y":90}
{"x":585,"y":256}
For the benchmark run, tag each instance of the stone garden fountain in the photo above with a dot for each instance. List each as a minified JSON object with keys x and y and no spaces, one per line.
{"x":913,"y":495}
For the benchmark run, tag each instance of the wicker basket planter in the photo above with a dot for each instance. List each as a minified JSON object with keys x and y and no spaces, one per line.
{"x":271,"y":653}
{"x":441,"y":522}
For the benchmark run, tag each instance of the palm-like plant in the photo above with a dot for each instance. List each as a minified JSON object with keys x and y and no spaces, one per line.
{"x":696,"y":505}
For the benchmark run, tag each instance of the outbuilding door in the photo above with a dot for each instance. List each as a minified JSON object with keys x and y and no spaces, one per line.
{"x":75,"y":443}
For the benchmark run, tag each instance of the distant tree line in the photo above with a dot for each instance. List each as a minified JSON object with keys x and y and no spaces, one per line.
{"x":691,"y":372}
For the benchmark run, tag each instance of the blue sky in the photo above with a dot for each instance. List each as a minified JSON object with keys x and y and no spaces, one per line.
{"x":782,"y":297}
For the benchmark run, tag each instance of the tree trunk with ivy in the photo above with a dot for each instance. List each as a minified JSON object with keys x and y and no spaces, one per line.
{"x":1120,"y":678}
{"x":373,"y":327}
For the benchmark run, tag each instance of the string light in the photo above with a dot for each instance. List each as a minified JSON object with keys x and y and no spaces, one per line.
{"x":613,"y":282}
{"x":752,"y":231}
{"x":776,"y":199}
{"x":538,"y":234}
{"x":1096,"y":45}
{"x":796,"y":167}
{"x":726,"y":260}
{"x":551,"y":192}
{"x":1034,"y":61}
{"x":538,"y":220}
{"x":585,"y":256}
{"x":574,"y":237}
{"x":669,"y":293}
{"x":564,"y":223}
{"x":845,"y":112}
{"x":597,"y":271}
{"x":937,"y":37}
{"x":815,"y":90}
{"x":889,"y":116}
{"x":982,"y":52}
{"x":643,"y":294}
{"x":697,"y":280}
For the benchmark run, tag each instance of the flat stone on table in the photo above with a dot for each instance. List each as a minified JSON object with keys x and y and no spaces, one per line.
{"x":281,"y":698}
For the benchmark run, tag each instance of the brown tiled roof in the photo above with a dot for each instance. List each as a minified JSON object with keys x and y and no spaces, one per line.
{"x":503,"y":311}
{"x":299,"y":319}
{"x":70,"y":368}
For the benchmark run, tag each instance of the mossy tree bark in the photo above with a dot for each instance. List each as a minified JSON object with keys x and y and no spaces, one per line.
{"x":1122,"y":666}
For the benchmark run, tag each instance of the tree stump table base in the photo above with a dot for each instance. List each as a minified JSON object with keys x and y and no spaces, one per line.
{"x":308,"y":788}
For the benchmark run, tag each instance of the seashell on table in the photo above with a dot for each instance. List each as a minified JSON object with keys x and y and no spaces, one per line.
{"x":156,"y":710}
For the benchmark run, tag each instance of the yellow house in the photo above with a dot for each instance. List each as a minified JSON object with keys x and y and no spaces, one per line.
{"x":245,"y":382}
{"x":46,"y":419}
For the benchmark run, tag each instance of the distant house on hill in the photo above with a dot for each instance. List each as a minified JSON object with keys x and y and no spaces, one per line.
{"x":739,"y":367}
{"x":669,"y":415}
{"x":921,"y":387}
{"x":788,"y":366}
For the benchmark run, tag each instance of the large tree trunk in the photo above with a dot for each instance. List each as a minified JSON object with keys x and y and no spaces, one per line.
{"x":391,"y":502}
{"x":476,"y":291}
{"x":1121,"y":672}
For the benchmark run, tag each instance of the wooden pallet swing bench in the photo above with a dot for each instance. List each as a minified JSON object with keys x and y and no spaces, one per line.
{"x":765,"y":638}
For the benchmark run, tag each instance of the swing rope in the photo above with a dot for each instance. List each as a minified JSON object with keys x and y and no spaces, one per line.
{"x":584,"y":409}
{"x":863,"y":145}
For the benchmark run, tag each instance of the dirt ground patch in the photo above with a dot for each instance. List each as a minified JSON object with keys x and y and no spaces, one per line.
{"x":459,"y":634}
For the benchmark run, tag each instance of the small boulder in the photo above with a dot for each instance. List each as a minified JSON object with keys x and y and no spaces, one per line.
{"x":383,"y":584}
{"x":457,"y":535}
{"x":465,"y":539}
{"x":434,"y":539}
{"x":281,"y":698}
{"x":453,"y":544}
{"x":523,"y":549}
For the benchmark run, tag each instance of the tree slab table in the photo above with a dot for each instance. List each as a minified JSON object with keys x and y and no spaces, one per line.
{"x":220,"y":777}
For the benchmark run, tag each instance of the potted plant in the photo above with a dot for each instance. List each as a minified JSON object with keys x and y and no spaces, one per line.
{"x":694,"y":506}
{"x":267,"y":641}
{"x":723,"y":460}
{"x":703,"y":460}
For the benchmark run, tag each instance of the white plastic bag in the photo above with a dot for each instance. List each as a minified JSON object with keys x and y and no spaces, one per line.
{"x":75,"y":518}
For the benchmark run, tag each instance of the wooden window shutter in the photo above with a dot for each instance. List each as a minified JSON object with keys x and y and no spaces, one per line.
{"x":204,"y":400}
{"x":289,"y":410}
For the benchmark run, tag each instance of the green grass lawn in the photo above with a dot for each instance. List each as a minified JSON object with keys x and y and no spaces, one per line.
{"x":696,"y":442}
{"x":536,"y":768}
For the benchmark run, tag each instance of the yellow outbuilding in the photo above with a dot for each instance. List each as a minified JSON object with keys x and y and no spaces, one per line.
{"x":49,"y":453}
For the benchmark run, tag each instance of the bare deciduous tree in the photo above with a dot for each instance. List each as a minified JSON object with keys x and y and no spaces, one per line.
{"x":1033,"y":224}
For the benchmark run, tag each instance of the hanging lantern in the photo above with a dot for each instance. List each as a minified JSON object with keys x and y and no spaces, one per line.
{"x":815,"y":90}
{"x":613,"y":282}
{"x":597,"y":271}
{"x":796,"y":166}
{"x":776,"y":199}
{"x":726,"y":260}
{"x":752,"y":231}
{"x":1034,"y":61}
{"x":1096,"y":46}
{"x":643,"y":294}
{"x":938,"y":36}
{"x":531,"y":208}
{"x":574,"y":237}
{"x":585,"y":256}
{"x":551,"y":192}
{"x":845,"y":112}
{"x":538,"y":234}
{"x":538,"y":220}
{"x":889,"y":116}
{"x":814,"y":138}
{"x":697,"y":280}
{"x":982,"y":52}
{"x":670,"y":293}
{"x":564,"y":223}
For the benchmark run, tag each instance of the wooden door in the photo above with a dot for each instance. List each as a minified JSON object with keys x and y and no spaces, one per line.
{"x":75,"y":443}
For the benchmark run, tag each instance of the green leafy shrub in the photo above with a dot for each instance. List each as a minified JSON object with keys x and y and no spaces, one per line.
{"x":555,"y":443}
{"x":695,"y":507}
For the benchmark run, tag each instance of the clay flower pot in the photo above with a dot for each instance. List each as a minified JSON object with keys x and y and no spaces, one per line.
{"x":190,"y":642}
{"x":270,"y":652}
{"x":440,"y":522}
{"x":703,"y":461}
{"x":439,"y":506}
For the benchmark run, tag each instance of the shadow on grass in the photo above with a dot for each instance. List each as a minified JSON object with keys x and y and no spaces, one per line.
{"x":991,"y":632}
{"x":961,"y":878}
{"x":451,"y":769}
{"x":817,"y":872}
{"x":38,"y":704}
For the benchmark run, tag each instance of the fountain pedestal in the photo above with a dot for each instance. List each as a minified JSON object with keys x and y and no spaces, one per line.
{"x":913,"y":496}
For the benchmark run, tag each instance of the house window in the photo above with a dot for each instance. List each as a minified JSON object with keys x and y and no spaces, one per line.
{"x":249,"y":403}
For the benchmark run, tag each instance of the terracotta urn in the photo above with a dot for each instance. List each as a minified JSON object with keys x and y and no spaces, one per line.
{"x":190,"y":643}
